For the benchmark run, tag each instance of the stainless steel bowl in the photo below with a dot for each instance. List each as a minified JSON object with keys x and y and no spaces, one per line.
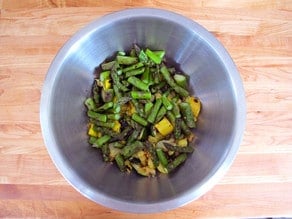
{"x":213,"y":78}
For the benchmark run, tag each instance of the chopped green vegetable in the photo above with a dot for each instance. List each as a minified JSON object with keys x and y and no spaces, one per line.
{"x":181,"y":80}
{"x":97,"y":116}
{"x":176,"y":162}
{"x":136,"y":82}
{"x":127,"y":60}
{"x":181,"y":91}
{"x":151,"y":118}
{"x":102,"y":140}
{"x":141,"y":95}
{"x":139,"y":119}
{"x":155,"y":57}
{"x":188,"y":114}
{"x":161,"y":156}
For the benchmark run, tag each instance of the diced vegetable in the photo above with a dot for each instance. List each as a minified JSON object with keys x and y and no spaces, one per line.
{"x":164,"y":127}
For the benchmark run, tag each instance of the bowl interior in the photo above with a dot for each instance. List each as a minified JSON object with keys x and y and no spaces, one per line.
{"x":213,"y":79}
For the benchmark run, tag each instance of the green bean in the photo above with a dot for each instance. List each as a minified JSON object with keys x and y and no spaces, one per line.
{"x":136,"y":82}
{"x":131,"y":149}
{"x":139,"y":119}
{"x":161,"y":156}
{"x":97,"y":116}
{"x":188,"y":114}
{"x":120,"y":162}
{"x":166,"y":102}
{"x":133,"y":67}
{"x":126,"y":60}
{"x":181,"y":91}
{"x":101,"y":141}
{"x":152,"y":116}
{"x":141,"y":95}
{"x":176,"y":162}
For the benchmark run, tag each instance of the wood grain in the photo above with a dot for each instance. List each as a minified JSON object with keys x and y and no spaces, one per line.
{"x":256,"y":33}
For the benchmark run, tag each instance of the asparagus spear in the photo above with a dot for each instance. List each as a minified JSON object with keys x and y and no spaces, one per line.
{"x":136,"y":82}
{"x":181,"y":91}
{"x":126,"y":60}
{"x":131,"y":149}
{"x":176,"y":162}
{"x":151,"y":118}
{"x":161,"y":156}
{"x":188,"y":114}
{"x":101,"y":141}
{"x":120,"y":161}
{"x":139,"y":119}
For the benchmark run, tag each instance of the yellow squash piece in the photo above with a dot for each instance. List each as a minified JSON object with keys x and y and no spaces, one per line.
{"x":164,"y":127}
{"x":92,"y":132}
{"x":144,"y":171}
{"x":155,"y":139}
{"x":117,"y":126}
{"x":106,"y":84}
{"x":182,"y":142}
{"x":195,"y":105}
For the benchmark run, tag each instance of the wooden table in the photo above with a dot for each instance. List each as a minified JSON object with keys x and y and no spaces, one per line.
{"x":257,"y":33}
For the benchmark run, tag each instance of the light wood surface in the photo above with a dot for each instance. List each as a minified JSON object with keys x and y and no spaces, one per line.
{"x":257,"y":34}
